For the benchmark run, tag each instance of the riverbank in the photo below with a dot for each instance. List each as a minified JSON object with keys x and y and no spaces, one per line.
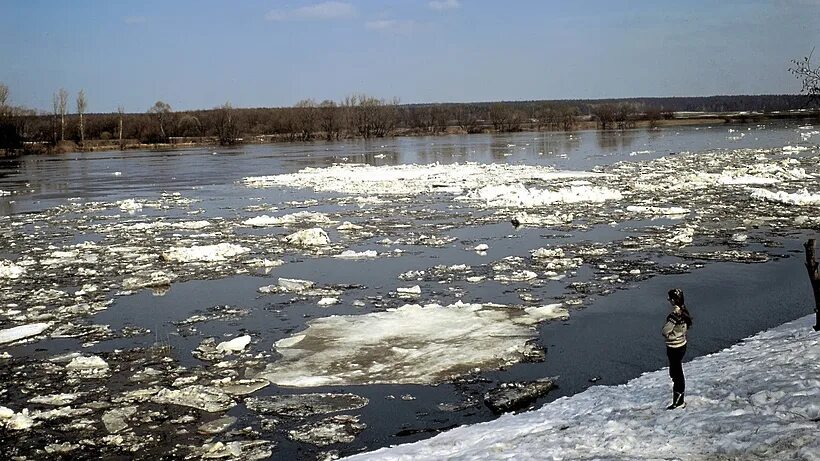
{"x":681,"y":120}
{"x":757,"y":399}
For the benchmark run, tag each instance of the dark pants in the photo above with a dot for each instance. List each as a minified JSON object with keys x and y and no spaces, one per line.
{"x":675,"y":355}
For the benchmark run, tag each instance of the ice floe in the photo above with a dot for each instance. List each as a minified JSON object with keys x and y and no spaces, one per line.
{"x":293,"y":218}
{"x":9,"y":270}
{"x":800,"y":198}
{"x":197,"y":396}
{"x":237,"y":344}
{"x":308,"y":237}
{"x":519,"y":196}
{"x":10,"y":335}
{"x":205,"y":253}
{"x":409,"y":344}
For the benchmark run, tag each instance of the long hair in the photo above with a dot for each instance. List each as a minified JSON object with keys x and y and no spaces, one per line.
{"x":676,"y":296}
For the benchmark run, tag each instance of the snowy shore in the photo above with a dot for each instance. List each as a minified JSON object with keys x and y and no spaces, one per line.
{"x":759,"y":399}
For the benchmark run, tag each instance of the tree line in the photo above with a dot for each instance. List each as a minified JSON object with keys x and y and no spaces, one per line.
{"x":356,"y":116}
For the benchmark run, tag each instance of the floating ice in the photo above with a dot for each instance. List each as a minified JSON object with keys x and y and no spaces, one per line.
{"x":517,"y":195}
{"x":182,"y":225}
{"x":411,"y":179}
{"x":348,"y":226}
{"x":114,"y":420}
{"x":308,"y":237}
{"x":410,"y":344}
{"x":4,"y":193}
{"x":15,"y":421}
{"x":196,"y":396}
{"x":481,"y":247}
{"x":350,"y":254}
{"x":205,"y":253}
{"x":800,"y":198}
{"x":293,"y":218}
{"x":91,"y":363}
{"x":217,"y":426}
{"x":150,"y":279}
{"x":662,"y":211}
{"x":414,"y":290}
{"x":328,"y":301}
{"x":682,"y":236}
{"x":237,"y":344}
{"x":17,"y":333}
{"x":130,"y":205}
{"x":335,"y":429}
{"x":294,"y":284}
{"x":9,"y":270}
{"x":305,"y":405}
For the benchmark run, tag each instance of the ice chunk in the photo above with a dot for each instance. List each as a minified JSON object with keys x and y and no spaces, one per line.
{"x":55,"y":399}
{"x":17,"y":333}
{"x":217,"y":426}
{"x":293,"y":218}
{"x":662,"y":211}
{"x":239,"y":450}
{"x":15,"y":421}
{"x":410,"y":344}
{"x":150,"y":279}
{"x":294,"y":284}
{"x":547,"y":312}
{"x":206,"y":253}
{"x":800,"y":198}
{"x":114,"y":420}
{"x":335,"y":429}
{"x":519,"y":196}
{"x":414,"y":290}
{"x":91,"y":363}
{"x":348,"y":226}
{"x":328,"y":301}
{"x":350,"y":254}
{"x":196,"y":396}
{"x":514,"y":396}
{"x":682,"y":236}
{"x":9,"y":270}
{"x":481,"y":247}
{"x":308,"y":237}
{"x":130,"y":205}
{"x":237,"y":344}
{"x":305,"y":405}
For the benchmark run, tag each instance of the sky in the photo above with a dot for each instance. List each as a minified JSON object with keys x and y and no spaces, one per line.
{"x":196,"y":54}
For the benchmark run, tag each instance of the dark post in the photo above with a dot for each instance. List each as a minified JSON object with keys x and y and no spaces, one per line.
{"x":814,"y":276}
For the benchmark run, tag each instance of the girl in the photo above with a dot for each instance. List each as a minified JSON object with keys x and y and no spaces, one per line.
{"x":674,"y":330}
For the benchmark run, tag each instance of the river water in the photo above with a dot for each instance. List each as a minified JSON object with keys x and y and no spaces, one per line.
{"x":79,"y":226}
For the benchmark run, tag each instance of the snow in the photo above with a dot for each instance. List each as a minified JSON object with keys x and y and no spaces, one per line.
{"x":410,"y":344}
{"x":308,"y":237}
{"x":756,"y":400}
{"x":800,"y":198}
{"x":17,"y":333}
{"x":9,"y":270}
{"x":206,"y":253}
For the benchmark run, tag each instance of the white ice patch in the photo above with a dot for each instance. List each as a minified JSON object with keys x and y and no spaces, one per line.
{"x":130,"y":205}
{"x":519,"y":196}
{"x":658,"y":211}
{"x":17,"y":333}
{"x":293,"y":218}
{"x":308,"y":237}
{"x":237,"y":344}
{"x":682,"y":236}
{"x":182,"y":225}
{"x":206,"y":253}
{"x":800,"y":198}
{"x":412,"y":179}
{"x":411,"y":344}
{"x":350,"y":254}
{"x":9,"y":270}
{"x":754,"y":400}
{"x":4,"y":193}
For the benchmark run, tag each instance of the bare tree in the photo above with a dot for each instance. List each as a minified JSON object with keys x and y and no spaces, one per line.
{"x":162,"y":112}
{"x":306,"y":118}
{"x":55,"y":111}
{"x":120,"y":113}
{"x":82,"y":104}
{"x":63,"y":96}
{"x":226,"y":125}
{"x":329,"y":119}
{"x":604,"y":115}
{"x":810,"y":77}
{"x":467,"y":118}
{"x":4,"y":96}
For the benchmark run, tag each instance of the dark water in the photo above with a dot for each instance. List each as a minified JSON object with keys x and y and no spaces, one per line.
{"x":612,"y":339}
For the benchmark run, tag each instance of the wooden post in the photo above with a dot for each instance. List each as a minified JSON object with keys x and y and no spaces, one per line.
{"x":814,"y":276}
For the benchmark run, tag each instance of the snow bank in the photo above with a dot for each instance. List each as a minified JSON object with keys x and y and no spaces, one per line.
{"x":800,"y":198}
{"x":756,"y":400}
{"x":411,"y":344}
{"x":412,"y":179}
{"x":207,"y":253}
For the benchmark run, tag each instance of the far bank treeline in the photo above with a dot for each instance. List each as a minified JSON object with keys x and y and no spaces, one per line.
{"x":68,"y":127}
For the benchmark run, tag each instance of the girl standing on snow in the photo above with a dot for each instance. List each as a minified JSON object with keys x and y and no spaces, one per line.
{"x":674,"y":330}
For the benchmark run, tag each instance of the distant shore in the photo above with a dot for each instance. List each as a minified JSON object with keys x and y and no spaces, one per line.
{"x":684,"y":119}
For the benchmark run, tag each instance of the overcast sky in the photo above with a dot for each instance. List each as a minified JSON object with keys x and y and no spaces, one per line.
{"x":200,"y":53}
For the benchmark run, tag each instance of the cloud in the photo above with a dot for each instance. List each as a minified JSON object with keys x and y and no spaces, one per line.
{"x":440,"y":5}
{"x":319,"y":11}
{"x":134,"y":19}
{"x":390,"y":25}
